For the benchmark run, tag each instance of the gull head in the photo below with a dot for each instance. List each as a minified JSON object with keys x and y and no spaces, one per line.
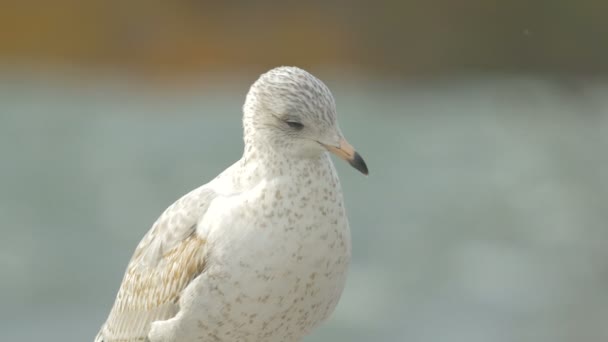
{"x":292,"y":112}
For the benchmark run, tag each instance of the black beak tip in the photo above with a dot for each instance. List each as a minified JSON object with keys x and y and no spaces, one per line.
{"x":358,"y":163}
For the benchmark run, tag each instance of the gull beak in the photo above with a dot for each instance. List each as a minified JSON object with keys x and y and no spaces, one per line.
{"x":348,"y":153}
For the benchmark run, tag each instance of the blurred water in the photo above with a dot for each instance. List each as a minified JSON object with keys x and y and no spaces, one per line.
{"x":483,"y":218}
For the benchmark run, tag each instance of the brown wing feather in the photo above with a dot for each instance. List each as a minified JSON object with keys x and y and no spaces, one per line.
{"x":167,"y":259}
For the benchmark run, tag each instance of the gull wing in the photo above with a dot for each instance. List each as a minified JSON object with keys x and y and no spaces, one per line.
{"x":166,"y":260}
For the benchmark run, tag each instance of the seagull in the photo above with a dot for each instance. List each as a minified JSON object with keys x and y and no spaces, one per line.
{"x":261,"y":252}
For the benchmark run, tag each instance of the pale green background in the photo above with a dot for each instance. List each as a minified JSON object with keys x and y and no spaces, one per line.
{"x":483,"y":218}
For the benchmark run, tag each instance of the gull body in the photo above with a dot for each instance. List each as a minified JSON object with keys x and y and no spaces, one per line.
{"x":260,"y":253}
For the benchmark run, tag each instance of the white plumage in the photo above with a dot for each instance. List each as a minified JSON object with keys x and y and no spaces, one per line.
{"x":260,"y":253}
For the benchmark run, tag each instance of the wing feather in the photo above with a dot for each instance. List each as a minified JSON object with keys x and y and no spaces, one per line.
{"x":166,"y":260}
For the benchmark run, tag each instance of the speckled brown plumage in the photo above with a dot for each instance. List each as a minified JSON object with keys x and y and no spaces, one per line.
{"x":260,"y":253}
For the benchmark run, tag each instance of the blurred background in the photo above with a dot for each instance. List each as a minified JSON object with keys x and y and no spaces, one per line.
{"x":484,"y":124}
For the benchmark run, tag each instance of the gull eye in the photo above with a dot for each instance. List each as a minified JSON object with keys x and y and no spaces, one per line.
{"x":295,"y":125}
